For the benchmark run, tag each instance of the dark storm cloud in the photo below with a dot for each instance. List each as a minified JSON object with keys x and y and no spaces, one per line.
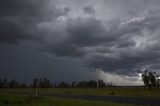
{"x":24,"y":63}
{"x":113,"y":50}
{"x":81,"y":34}
{"x":19,"y":18}
{"x":89,"y":10}
{"x":134,"y":49}
{"x":122,"y":40}
{"x":125,"y":49}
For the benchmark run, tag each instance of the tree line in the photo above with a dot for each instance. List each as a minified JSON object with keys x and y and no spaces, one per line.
{"x":5,"y":83}
{"x":47,"y":83}
{"x":151,"y":79}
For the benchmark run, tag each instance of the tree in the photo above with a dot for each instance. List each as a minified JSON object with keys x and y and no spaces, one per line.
{"x":5,"y":83}
{"x":152,"y":78}
{"x":23,"y":85}
{"x":35,"y":83}
{"x":63,"y":84}
{"x":40,"y":83}
{"x":101,"y":83}
{"x":73,"y":84}
{"x":145,"y":78}
{"x":13,"y":84}
{"x":149,"y":78}
{"x":92,"y":84}
{"x":158,"y":80}
{"x":44,"y":83}
{"x":110,"y":84}
{"x":82,"y":84}
{"x":1,"y":84}
{"x":48,"y":83}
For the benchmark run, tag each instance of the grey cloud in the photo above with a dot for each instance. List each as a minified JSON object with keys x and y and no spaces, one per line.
{"x":118,"y":46}
{"x":24,"y":63}
{"x":123,"y":56}
{"x":125,"y":59}
{"x":125,"y":63}
{"x":89,"y":10}
{"x":19,"y":18}
{"x":80,"y":32}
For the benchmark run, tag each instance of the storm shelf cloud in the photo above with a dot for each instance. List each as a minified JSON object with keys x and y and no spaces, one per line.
{"x":119,"y":37}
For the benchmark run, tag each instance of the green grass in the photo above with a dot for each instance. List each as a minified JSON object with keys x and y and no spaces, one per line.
{"x":10,"y":97}
{"x":118,"y":91}
{"x":19,"y":100}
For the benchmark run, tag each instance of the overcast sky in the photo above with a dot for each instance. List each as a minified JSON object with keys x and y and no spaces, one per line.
{"x":72,"y":40}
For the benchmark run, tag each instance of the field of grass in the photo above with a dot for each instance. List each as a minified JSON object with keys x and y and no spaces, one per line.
{"x":14,"y":96}
{"x":117,"y":91}
{"x":7,"y":99}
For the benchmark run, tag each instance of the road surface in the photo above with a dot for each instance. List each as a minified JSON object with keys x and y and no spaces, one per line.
{"x":118,"y":99}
